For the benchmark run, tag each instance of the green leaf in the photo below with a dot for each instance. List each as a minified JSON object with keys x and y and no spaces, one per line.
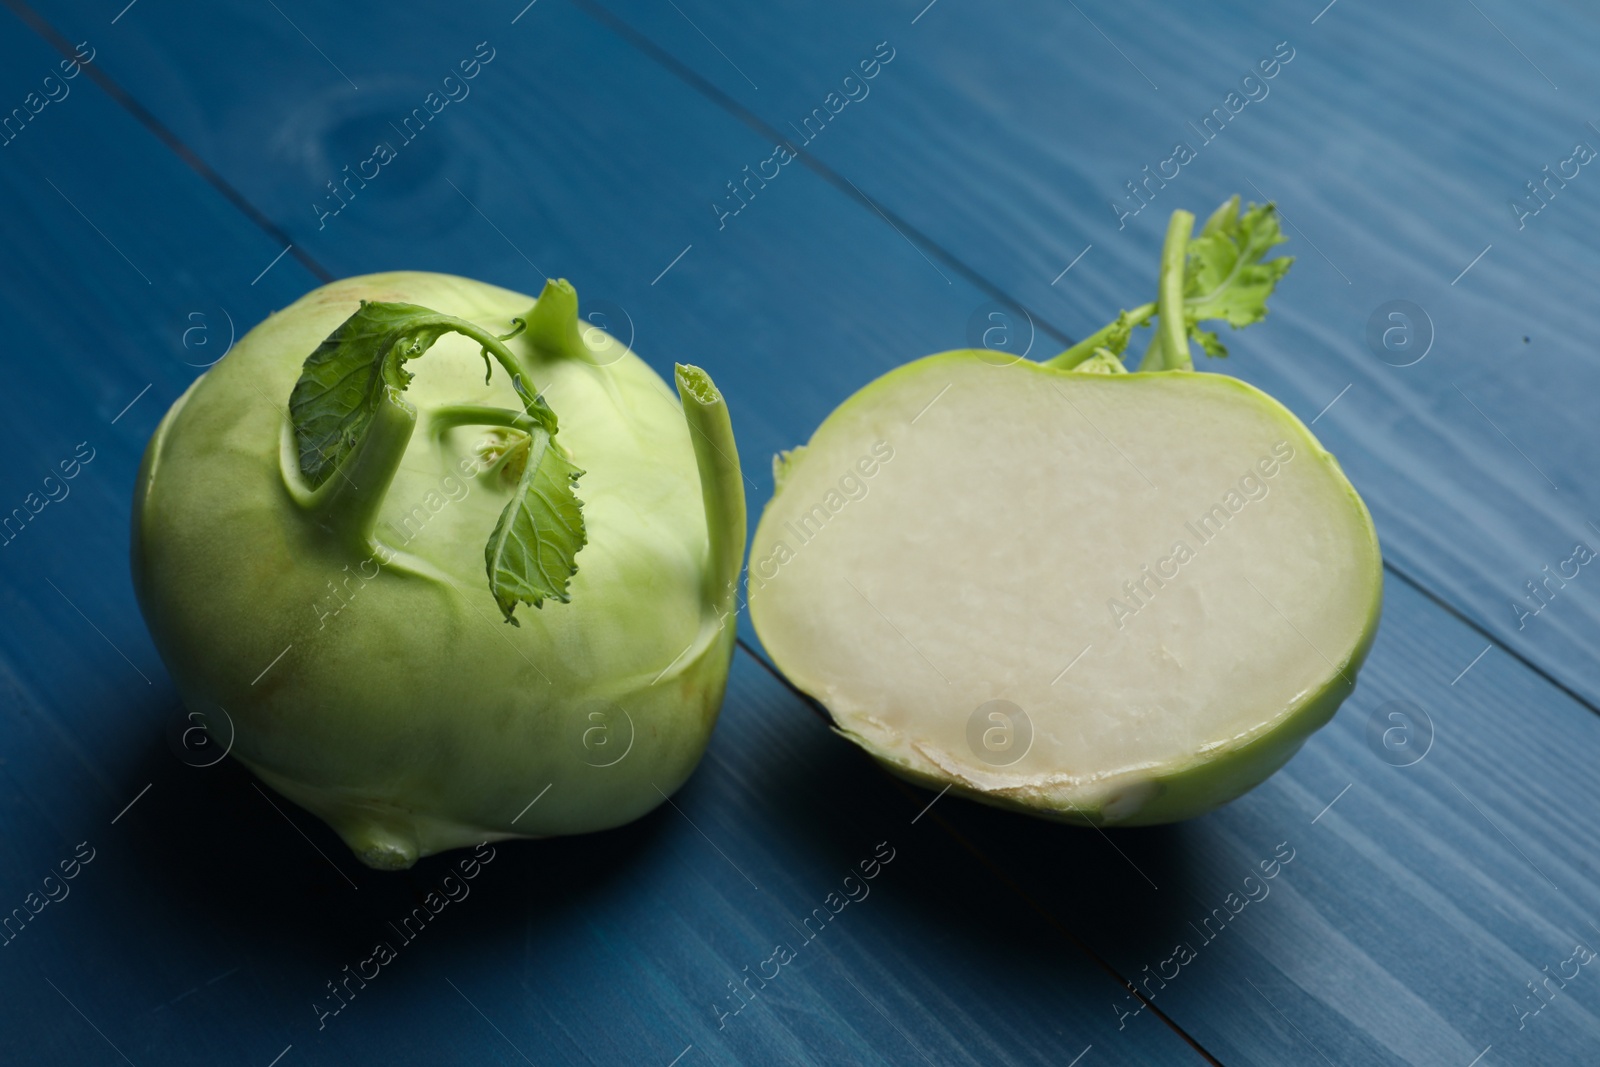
{"x":1121,"y":331}
{"x":1104,"y":361}
{"x":1226,"y":276}
{"x":532,"y":552}
{"x":1225,"y":216}
{"x":530,"y":555}
{"x":1210,"y":343}
{"x":1221,"y":274}
{"x":344,"y":380}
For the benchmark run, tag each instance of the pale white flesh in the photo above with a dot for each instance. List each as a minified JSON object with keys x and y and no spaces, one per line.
{"x":980,"y":560}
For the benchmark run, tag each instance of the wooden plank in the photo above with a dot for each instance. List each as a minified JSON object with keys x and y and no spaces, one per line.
{"x":117,"y":293}
{"x":1422,"y":896}
{"x":544,"y":169}
{"x":1003,"y":141}
{"x":1401,"y":181}
{"x":793,"y":305}
{"x":1329,"y":903}
{"x":212,"y":926}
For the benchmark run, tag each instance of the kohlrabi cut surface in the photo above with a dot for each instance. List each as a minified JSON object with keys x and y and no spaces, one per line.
{"x":443,"y":563}
{"x":1089,"y":594}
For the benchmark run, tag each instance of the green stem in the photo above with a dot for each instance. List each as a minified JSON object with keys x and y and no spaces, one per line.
{"x":553,"y":331}
{"x":445,"y":419}
{"x":521,"y":380}
{"x":347,"y":504}
{"x":721,"y":486}
{"x":1085,"y":348}
{"x":1170,"y":348}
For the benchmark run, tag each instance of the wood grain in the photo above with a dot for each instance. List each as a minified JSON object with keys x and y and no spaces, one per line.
{"x":1394,"y":142}
{"x":204,"y":928}
{"x":593,"y":146}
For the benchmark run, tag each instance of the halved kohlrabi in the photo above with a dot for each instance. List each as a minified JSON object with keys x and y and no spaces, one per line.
{"x":1093,"y":595}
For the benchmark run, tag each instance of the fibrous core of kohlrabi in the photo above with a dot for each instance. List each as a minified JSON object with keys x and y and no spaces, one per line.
{"x":1093,"y":595}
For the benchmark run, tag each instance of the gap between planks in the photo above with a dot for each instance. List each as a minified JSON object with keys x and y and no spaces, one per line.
{"x":671,"y":64}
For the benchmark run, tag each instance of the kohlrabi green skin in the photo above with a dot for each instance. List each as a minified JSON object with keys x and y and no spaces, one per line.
{"x":328,"y":554}
{"x":1061,"y":588}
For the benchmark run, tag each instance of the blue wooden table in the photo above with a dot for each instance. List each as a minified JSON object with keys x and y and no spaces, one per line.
{"x":1435,"y":901}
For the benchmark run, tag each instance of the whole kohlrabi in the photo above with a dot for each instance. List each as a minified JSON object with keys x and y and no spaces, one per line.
{"x":312,"y":532}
